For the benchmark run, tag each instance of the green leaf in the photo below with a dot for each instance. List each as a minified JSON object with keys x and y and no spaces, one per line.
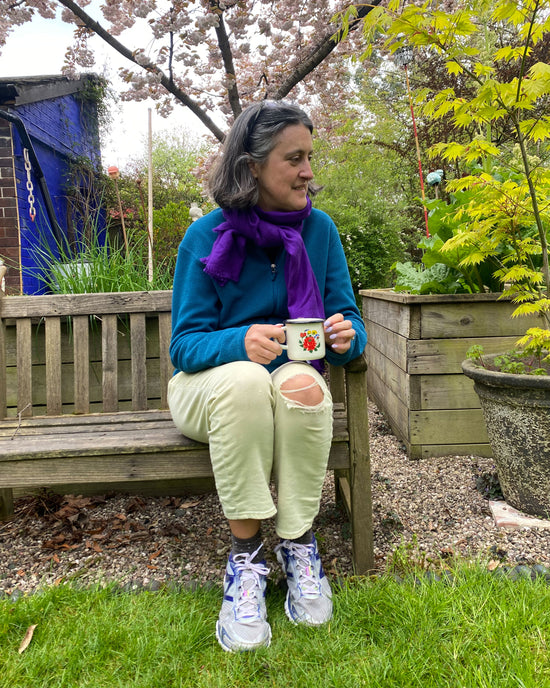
{"x":453,"y":151}
{"x":540,"y":70}
{"x":482,"y":70}
{"x":454,"y":67}
{"x":506,"y":10}
{"x":536,"y":130}
{"x":509,"y":53}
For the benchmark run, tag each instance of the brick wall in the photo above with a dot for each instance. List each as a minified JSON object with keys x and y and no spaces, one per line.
{"x":9,"y":235}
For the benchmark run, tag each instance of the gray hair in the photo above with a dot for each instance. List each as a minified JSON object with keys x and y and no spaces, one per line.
{"x":251,"y":138}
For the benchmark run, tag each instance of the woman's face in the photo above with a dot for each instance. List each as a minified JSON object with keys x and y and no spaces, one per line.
{"x":283,"y":178}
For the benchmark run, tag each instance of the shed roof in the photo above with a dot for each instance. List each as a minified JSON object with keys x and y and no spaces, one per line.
{"x":20,"y":90}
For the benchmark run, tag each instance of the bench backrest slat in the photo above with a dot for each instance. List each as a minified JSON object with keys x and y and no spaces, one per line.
{"x":53,"y":366}
{"x":166,"y":367}
{"x":24,"y":366}
{"x":139,"y":358}
{"x":109,"y":354}
{"x":81,"y":354}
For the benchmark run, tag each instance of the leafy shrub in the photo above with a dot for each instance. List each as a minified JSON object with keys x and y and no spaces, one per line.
{"x":370,"y":242}
{"x":514,"y":362}
{"x":169,"y":226}
{"x":445,"y":270}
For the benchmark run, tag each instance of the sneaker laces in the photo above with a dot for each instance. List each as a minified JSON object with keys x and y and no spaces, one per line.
{"x":250,"y":586}
{"x":307,"y":579}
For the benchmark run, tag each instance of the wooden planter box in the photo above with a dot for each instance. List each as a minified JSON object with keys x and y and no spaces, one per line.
{"x":415,"y":347}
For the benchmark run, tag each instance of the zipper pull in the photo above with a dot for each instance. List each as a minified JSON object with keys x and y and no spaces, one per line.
{"x":273,"y":269}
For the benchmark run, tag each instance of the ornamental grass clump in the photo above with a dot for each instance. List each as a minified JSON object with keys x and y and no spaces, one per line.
{"x":98,"y":264}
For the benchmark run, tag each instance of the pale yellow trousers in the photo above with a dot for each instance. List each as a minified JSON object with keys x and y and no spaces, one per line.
{"x":257,"y":434}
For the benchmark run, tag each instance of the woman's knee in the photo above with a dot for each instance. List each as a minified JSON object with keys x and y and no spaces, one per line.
{"x":247,"y":377}
{"x":303,"y":390}
{"x":246,"y":389}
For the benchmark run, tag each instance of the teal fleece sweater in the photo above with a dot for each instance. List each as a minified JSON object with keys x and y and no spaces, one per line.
{"x":209,"y":322}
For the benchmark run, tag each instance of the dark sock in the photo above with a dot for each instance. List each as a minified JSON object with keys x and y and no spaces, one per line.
{"x":304,"y":539}
{"x":248,"y":546}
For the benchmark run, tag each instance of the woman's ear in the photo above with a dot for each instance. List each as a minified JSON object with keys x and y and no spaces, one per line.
{"x":253,"y":168}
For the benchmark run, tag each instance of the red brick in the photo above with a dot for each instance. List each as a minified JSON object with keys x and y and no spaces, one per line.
{"x":9,"y":243}
{"x":8,"y":231}
{"x":10,"y":246}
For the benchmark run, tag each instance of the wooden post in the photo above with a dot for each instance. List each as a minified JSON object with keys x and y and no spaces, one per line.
{"x":6,"y":495}
{"x":6,"y":503}
{"x":3,"y":390}
{"x":360,"y":480}
{"x":150,"y":198}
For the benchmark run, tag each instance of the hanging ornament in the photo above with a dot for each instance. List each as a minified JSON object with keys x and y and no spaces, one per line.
{"x":30,"y":187}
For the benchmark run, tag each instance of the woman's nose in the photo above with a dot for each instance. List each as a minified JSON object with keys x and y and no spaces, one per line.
{"x":306,"y":170}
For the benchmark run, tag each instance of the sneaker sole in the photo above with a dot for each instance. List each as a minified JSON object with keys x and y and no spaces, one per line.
{"x":300,"y":622}
{"x":249,"y":648}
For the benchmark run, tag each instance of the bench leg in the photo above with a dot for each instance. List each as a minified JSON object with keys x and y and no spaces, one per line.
{"x":6,"y":503}
{"x":359,"y":474}
{"x":339,"y":497}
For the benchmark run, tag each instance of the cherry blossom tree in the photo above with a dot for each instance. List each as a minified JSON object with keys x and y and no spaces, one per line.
{"x":213,"y":56}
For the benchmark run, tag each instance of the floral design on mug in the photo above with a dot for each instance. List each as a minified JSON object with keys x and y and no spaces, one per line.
{"x":310,"y":340}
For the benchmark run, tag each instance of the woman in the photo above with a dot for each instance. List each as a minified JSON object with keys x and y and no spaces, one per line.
{"x":265,"y":255}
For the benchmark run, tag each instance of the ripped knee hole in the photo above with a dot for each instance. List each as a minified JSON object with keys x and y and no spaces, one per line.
{"x":305,"y":396}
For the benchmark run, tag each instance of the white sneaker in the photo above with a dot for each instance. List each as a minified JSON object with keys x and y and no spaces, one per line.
{"x":309,"y":597}
{"x":242,"y":623}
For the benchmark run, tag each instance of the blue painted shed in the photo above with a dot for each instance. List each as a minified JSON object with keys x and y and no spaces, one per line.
{"x":47,"y":125}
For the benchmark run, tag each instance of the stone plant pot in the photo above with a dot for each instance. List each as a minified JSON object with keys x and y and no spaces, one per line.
{"x":517,"y":414}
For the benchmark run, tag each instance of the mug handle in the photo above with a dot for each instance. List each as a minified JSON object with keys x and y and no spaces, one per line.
{"x":284,"y":346}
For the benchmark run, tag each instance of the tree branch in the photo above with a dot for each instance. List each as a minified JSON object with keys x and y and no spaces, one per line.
{"x":227,"y":57}
{"x":320,"y":52}
{"x":146,"y":64}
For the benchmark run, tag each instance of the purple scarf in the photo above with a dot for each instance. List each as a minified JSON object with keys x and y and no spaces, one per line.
{"x":266,"y":229}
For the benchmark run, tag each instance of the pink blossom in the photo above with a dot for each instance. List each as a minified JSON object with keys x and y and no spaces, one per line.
{"x":266,"y":41}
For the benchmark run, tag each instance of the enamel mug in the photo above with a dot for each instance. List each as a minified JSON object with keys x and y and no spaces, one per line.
{"x":305,"y":338}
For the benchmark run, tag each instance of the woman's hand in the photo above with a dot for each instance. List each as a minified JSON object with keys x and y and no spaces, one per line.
{"x":263,"y":343}
{"x":339,"y":333}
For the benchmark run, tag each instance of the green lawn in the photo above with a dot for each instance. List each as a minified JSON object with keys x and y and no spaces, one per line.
{"x":476,"y":629}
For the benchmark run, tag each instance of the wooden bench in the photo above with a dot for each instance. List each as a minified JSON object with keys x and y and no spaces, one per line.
{"x":83,"y":402}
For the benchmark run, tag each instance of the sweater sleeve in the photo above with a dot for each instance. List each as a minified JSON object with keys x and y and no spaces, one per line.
{"x":197,"y":341}
{"x":339,"y":298}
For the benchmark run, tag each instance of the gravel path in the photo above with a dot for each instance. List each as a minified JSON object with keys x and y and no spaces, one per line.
{"x":429,"y":508}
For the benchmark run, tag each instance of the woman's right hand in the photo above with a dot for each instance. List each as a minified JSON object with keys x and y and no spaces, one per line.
{"x":263,"y":343}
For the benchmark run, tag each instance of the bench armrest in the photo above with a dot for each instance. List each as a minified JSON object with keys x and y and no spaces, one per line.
{"x":357,"y":365}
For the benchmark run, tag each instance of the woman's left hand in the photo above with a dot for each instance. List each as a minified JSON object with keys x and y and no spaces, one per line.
{"x":339,"y":333}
